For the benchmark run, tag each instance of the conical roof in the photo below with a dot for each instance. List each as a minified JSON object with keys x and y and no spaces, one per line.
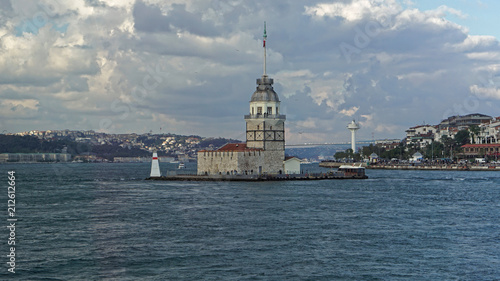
{"x":265,"y":91}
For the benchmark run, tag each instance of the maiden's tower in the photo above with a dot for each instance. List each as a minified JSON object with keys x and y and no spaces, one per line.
{"x":264,"y":150}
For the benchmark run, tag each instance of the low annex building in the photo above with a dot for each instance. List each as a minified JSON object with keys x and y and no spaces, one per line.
{"x":291,"y":165}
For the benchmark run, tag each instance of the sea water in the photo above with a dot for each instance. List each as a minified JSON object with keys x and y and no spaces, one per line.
{"x":105,"y":222}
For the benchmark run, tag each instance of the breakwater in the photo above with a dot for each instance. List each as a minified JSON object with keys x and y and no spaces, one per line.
{"x":302,"y":177}
{"x":450,"y":167}
{"x":424,"y":167}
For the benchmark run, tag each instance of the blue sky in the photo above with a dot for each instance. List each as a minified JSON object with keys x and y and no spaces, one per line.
{"x":480,"y":16}
{"x":189,"y":66}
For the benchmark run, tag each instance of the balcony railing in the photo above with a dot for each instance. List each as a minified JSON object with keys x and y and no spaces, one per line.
{"x":265,"y":115}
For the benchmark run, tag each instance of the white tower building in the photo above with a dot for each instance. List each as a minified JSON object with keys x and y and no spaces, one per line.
{"x":353,"y":127}
{"x":265,"y":125}
{"x":264,"y":150}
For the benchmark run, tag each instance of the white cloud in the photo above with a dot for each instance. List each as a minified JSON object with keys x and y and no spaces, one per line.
{"x":349,"y":112}
{"x":18,"y":108}
{"x":476,"y":41}
{"x":26,"y":103}
{"x":484,"y":92}
{"x":355,"y":10}
{"x":201,"y":59}
{"x":309,"y":123}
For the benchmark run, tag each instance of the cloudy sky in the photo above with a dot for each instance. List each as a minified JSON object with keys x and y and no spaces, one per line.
{"x":189,"y":67}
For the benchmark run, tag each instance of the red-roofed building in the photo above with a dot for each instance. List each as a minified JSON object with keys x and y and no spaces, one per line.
{"x":233,"y":147}
{"x":481,"y":150}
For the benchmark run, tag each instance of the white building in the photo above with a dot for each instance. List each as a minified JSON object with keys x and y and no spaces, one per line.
{"x":489,"y":133}
{"x":417,"y":157}
{"x":291,"y":165}
{"x":374,"y":158}
{"x":421,"y":135}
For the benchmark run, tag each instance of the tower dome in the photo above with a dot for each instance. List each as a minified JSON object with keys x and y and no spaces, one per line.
{"x":265,"y":91}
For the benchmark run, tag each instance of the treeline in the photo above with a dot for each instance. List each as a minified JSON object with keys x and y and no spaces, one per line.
{"x":30,"y":144}
{"x":110,"y":151}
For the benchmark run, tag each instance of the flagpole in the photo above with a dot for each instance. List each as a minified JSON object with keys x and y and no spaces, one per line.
{"x":265,"y":37}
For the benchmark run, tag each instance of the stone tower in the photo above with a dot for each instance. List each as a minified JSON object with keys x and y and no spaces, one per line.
{"x":264,"y":150}
{"x":265,"y":126}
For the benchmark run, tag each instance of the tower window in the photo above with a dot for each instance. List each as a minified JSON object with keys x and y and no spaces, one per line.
{"x":277,"y":111}
{"x":253,"y":110}
{"x":259,"y":110}
{"x":269,"y":110}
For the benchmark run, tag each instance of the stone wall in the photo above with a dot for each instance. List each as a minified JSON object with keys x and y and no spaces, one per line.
{"x":215,"y":162}
{"x":242,"y":162}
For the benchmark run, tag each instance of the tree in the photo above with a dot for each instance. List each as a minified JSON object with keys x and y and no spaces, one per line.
{"x":367,"y":150}
{"x":341,"y":155}
{"x":434,"y":150}
{"x":474,"y":132}
{"x":448,"y":145}
{"x":348,"y":154}
{"x":462,"y":137}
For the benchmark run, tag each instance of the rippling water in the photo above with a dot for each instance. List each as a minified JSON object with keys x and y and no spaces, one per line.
{"x":104,"y":222}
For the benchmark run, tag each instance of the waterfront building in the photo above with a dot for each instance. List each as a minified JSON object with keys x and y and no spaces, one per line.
{"x":35,"y":157}
{"x":388,"y":144}
{"x":464,"y":122}
{"x":264,"y":150}
{"x":491,"y":151}
{"x":421,"y":135}
{"x":488,"y":132}
{"x":449,"y":132}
